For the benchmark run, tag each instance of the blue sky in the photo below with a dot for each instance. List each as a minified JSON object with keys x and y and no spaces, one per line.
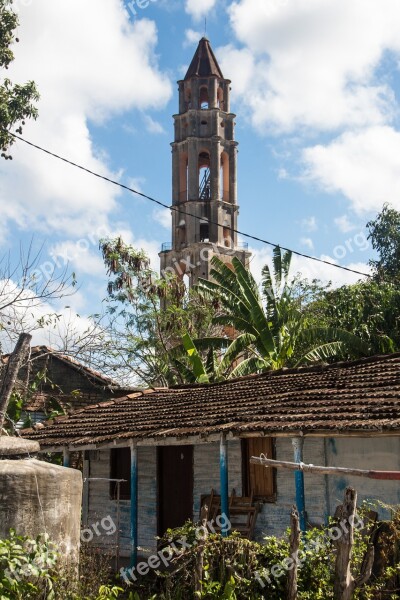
{"x":315,"y":88}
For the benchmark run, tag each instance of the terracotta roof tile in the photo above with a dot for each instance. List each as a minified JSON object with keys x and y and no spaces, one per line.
{"x":361,"y":397}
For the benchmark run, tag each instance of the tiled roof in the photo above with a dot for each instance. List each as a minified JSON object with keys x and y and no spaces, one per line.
{"x":204,"y":63}
{"x":101,"y":387}
{"x":97,"y":377}
{"x":360,"y":397}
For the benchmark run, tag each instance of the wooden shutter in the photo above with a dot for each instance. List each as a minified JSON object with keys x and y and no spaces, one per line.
{"x":257,"y":479}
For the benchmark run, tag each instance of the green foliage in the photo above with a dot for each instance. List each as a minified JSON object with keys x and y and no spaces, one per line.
{"x":239,"y":569}
{"x":384,"y":233}
{"x":19,"y":399}
{"x":270,"y":331}
{"x":27,"y":568}
{"x":148,"y":315}
{"x":368,"y":309}
{"x":16,"y":101}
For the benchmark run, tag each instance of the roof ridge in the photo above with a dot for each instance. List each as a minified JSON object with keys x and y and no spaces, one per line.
{"x":291,"y":370}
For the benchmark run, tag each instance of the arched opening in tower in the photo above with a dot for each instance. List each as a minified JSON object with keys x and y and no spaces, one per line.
{"x":224,"y":177}
{"x":204,"y":98}
{"x":220,"y":98}
{"x":188,"y":99}
{"x":204,"y":176}
{"x":183,"y":178}
{"x":181,"y":231}
{"x":204,"y":231}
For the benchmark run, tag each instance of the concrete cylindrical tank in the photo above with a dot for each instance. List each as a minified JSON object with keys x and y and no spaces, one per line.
{"x":37,"y":497}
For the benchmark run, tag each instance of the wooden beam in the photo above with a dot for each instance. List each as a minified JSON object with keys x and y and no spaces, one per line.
{"x":11,"y":371}
{"x":215,"y":437}
{"x":295,"y":466}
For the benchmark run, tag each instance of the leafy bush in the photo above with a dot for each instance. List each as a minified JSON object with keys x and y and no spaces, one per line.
{"x":237,"y":569}
{"x":26,"y":568}
{"x":30,"y":570}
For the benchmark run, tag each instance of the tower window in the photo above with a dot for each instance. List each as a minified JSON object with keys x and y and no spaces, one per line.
{"x":220,"y":99}
{"x":204,"y":232}
{"x":204,"y":176}
{"x":227,"y":237}
{"x":204,"y":99}
{"x":188,"y":99}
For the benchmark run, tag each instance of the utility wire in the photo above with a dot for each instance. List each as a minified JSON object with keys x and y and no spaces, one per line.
{"x":176,"y":209}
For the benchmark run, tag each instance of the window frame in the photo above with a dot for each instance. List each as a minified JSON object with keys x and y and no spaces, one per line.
{"x":120,"y":468}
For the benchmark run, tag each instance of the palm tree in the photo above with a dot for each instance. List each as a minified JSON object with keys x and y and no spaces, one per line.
{"x":269,"y":328}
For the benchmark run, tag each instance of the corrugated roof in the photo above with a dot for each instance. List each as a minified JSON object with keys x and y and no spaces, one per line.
{"x":361,"y":397}
{"x":204,"y":63}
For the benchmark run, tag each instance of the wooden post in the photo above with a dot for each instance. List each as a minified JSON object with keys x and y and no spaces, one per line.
{"x":134,"y":504}
{"x":223,"y":465}
{"x":298,"y":443}
{"x":66,"y":457}
{"x":198,"y":576}
{"x":11,"y":371}
{"x":345,"y":583}
{"x":291,"y":589}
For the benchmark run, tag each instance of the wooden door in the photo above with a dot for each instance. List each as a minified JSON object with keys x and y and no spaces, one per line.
{"x":175,"y":486}
{"x":257,"y":479}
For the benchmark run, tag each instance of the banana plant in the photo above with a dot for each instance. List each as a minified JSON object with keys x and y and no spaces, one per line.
{"x":264,"y":331}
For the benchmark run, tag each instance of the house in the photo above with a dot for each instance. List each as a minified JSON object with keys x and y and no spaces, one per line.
{"x":173,"y":446}
{"x":64,"y":380}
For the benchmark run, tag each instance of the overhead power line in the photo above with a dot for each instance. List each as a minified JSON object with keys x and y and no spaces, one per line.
{"x":176,"y":209}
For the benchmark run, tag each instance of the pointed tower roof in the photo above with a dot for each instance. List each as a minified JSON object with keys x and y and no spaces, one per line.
{"x":204,"y":63}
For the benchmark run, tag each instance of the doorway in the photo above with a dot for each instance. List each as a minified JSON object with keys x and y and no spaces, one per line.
{"x":175,"y":486}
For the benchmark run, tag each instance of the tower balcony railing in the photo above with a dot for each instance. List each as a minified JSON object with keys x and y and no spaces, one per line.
{"x":242,"y":245}
{"x":166,"y":246}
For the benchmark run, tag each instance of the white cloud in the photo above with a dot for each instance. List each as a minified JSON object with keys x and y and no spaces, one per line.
{"x":364,"y":166}
{"x":312,"y":63}
{"x":344,"y":225}
{"x":191,"y":37}
{"x":309,"y":224}
{"x":198,"y":9}
{"x":49,"y":323}
{"x":163,"y":217}
{"x":86,"y":63}
{"x":79,"y":256}
{"x":307,"y":242}
{"x":310,"y":269}
{"x":153,"y":126}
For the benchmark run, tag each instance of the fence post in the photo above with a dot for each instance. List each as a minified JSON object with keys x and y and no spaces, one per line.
{"x":298,"y":443}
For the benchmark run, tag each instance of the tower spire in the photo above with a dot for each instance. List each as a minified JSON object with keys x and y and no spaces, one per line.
{"x":204,"y":166}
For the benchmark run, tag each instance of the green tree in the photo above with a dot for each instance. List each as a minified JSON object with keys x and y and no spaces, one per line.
{"x":146,"y":318}
{"x":16,"y":101}
{"x":369,"y":309}
{"x":270,"y":329}
{"x":384,"y":233}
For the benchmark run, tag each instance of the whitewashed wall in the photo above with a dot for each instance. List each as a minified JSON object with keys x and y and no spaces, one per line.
{"x":381,"y":454}
{"x":100,"y":505}
{"x":322,"y":493}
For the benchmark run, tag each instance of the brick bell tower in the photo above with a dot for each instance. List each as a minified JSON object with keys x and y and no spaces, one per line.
{"x":204,"y":173}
